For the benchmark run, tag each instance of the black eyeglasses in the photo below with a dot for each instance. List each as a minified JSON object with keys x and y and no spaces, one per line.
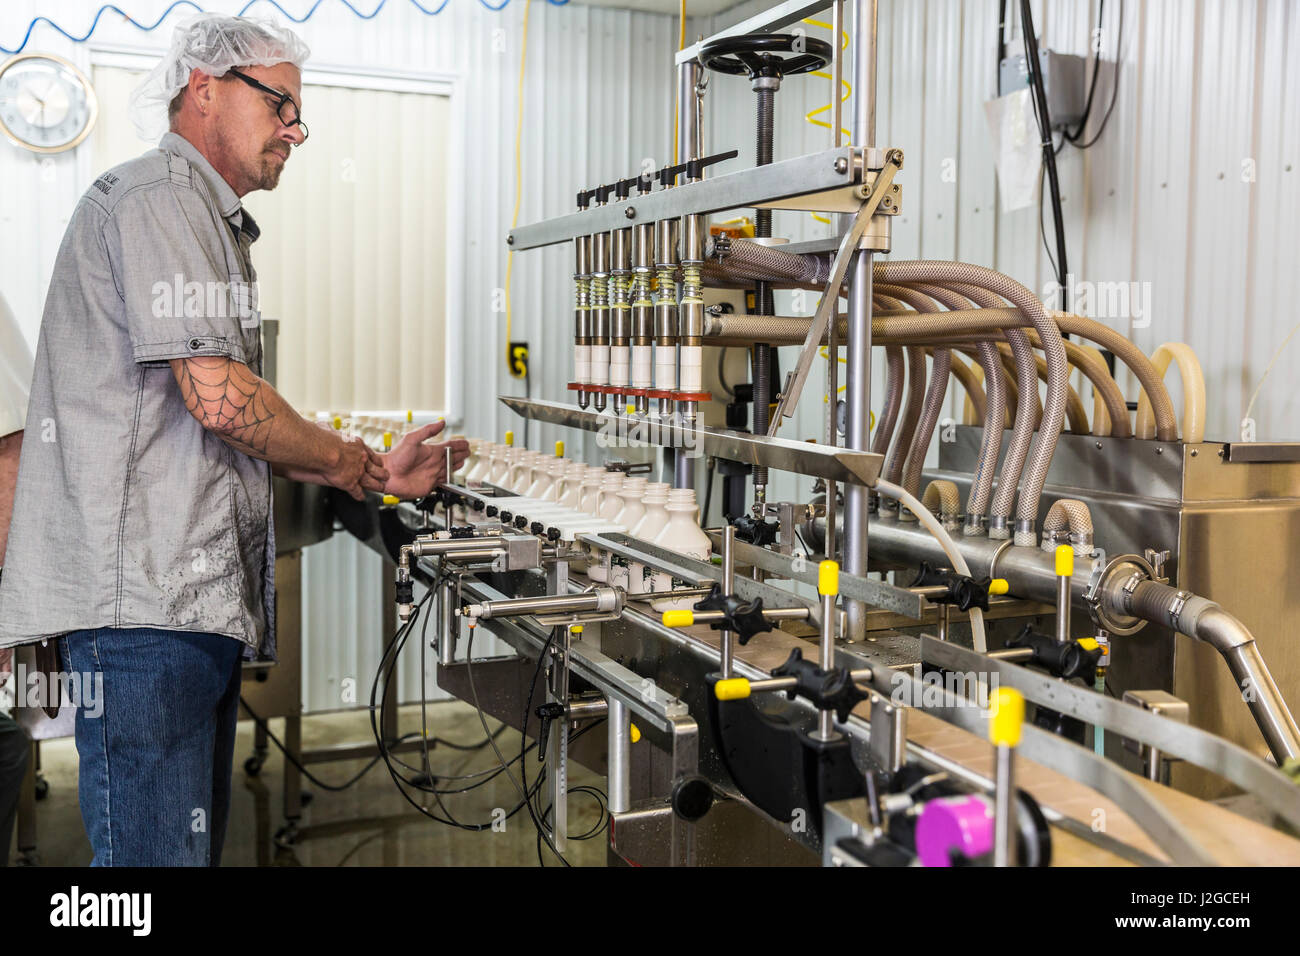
{"x":286,"y":108}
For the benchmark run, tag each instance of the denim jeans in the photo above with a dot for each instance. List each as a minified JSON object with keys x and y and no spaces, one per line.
{"x":157,"y":745}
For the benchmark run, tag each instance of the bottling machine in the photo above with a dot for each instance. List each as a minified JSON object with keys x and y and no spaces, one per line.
{"x":1054,"y":653}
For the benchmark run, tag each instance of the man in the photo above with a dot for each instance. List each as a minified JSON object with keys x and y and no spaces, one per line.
{"x":142,"y":518}
{"x":15,"y":377}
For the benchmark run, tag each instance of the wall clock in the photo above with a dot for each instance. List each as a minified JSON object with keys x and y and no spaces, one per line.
{"x":46,"y":104}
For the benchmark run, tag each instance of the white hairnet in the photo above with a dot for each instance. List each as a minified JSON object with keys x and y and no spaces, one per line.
{"x":213,"y":43}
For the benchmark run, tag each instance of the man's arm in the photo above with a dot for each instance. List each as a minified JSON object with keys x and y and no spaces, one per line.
{"x":243,"y":410}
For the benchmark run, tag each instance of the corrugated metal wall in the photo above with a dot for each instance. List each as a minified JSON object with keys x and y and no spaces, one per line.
{"x":1193,"y":188}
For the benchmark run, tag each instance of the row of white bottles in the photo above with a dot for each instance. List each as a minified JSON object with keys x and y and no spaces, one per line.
{"x":378,"y":431}
{"x":651,"y":511}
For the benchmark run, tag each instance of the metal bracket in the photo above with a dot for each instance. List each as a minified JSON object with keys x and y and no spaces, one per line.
{"x":848,"y":248}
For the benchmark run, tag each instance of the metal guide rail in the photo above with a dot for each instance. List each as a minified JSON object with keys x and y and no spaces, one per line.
{"x":827,"y":181}
{"x":817,"y":461}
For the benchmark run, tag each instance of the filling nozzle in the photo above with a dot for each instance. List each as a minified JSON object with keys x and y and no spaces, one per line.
{"x":600,"y":307}
{"x":642,"y":349}
{"x":582,"y":312}
{"x":665,"y":313}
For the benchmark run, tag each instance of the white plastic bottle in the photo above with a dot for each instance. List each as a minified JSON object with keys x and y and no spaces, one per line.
{"x":591,"y":488}
{"x":632,"y":493}
{"x":569,"y":488}
{"x":608,"y":502}
{"x":653,"y":520}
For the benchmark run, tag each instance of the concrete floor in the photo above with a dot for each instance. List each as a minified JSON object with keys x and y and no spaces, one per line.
{"x":369,"y":824}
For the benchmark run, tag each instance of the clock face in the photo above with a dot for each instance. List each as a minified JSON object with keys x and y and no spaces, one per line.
{"x":46,"y":104}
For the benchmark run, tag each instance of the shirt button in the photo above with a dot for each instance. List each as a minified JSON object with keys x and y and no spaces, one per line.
{"x":195,"y":343}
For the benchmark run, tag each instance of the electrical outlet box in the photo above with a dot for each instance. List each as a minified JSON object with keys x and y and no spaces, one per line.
{"x":1063,"y":83}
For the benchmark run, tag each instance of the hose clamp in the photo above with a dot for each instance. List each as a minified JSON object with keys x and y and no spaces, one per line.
{"x":1176,"y":609}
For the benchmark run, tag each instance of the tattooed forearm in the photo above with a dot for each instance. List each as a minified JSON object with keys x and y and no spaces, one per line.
{"x":227,"y":398}
{"x":250,"y":416}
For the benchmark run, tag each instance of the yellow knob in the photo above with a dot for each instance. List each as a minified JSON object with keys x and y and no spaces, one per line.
{"x":631,"y":409}
{"x":510,"y":439}
{"x":828,"y":578}
{"x":999,"y":586}
{"x":575,"y":629}
{"x":1088,"y":643}
{"x":1064,"y":561}
{"x":679,"y":618}
{"x":559,"y":449}
{"x":391,"y":499}
{"x":735,"y":688}
{"x":410,"y":416}
{"x":338,"y":423}
{"x":388,"y":441}
{"x":634,"y":732}
{"x":1008,"y":713}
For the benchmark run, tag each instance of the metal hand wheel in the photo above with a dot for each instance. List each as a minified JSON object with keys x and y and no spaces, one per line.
{"x":766,"y":54}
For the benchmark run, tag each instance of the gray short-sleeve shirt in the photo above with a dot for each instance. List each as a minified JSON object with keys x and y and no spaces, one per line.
{"x":128,"y":513}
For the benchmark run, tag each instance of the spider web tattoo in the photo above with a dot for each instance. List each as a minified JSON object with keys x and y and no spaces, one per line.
{"x":227,"y":398}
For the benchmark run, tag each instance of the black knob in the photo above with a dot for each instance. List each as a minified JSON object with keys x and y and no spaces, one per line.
{"x":491,"y":511}
{"x":537,"y":527}
{"x":521,"y":522}
{"x":506,"y":516}
{"x":692,"y":797}
{"x":553,"y":534}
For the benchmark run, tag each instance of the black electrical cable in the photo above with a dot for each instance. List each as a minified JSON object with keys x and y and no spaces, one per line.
{"x":385,"y":665}
{"x":708,"y":491}
{"x":266,"y":728}
{"x":523,"y":735}
{"x":1114,"y":93}
{"x":523,"y":763}
{"x":1002,"y":46}
{"x":1092,"y":85}
{"x":1049,"y":151}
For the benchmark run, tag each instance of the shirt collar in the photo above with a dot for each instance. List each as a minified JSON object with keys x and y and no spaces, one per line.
{"x":227,"y":201}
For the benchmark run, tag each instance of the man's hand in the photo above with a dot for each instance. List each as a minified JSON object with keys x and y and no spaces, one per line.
{"x":415,"y":468}
{"x":359,"y":469}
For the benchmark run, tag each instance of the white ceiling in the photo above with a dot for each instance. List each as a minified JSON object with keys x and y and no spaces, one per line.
{"x":694,"y":8}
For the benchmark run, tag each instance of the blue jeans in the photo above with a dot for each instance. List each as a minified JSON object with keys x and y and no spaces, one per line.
{"x":156,"y":744}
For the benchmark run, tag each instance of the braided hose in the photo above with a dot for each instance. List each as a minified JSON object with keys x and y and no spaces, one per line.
{"x":1073,"y":517}
{"x":970,"y":383}
{"x":942,"y":494}
{"x":991,"y":437}
{"x":1021,"y":434}
{"x":1027,"y":408}
{"x":1034,"y":475}
{"x":981,"y":486}
{"x":893,"y":399}
{"x":911,"y":414}
{"x":797,"y":269}
{"x":1110,"y":400}
{"x":917,"y":399}
{"x":929,"y":419}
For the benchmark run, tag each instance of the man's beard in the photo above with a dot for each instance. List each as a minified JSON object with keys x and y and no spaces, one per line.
{"x":270,"y":169}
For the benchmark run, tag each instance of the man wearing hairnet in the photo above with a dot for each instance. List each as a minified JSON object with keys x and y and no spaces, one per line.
{"x":141,"y":541}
